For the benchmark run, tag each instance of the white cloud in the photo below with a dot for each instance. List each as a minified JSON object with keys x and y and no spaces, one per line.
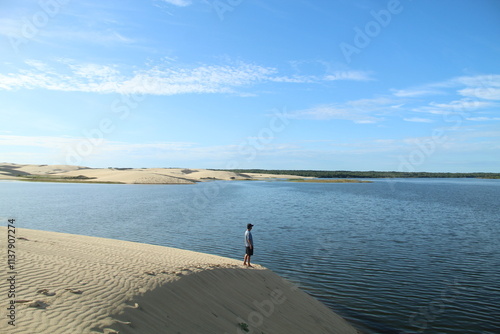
{"x":468,"y":94}
{"x":336,"y":76}
{"x":483,"y":119}
{"x":155,"y":80}
{"x":327,"y":112}
{"x":68,"y":75}
{"x":414,"y":92}
{"x":463,"y":104}
{"x":14,"y":31}
{"x":457,"y":106}
{"x":295,"y":79}
{"x":94,"y":71}
{"x":180,"y":3}
{"x":418,"y":120}
{"x":358,"y":111}
{"x":349,"y":75}
{"x":105,"y":37}
{"x":489,"y":93}
{"x":478,"y":86}
{"x":489,"y":80}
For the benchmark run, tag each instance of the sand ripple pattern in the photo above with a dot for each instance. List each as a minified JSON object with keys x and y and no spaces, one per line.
{"x":85,"y":279}
{"x":78,"y":284}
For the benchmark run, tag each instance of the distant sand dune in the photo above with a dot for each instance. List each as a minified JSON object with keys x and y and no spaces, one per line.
{"x":77,"y":284}
{"x":9,"y":171}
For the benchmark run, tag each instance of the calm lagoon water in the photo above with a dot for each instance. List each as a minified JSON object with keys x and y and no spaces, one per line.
{"x":393,"y":256}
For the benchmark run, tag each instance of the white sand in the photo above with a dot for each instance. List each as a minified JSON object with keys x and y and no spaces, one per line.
{"x":77,"y":284}
{"x":9,"y":171}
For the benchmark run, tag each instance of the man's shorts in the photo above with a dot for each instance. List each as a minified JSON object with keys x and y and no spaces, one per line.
{"x":249,"y":251}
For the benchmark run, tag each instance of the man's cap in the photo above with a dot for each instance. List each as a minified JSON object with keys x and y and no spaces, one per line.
{"x":249,"y":225}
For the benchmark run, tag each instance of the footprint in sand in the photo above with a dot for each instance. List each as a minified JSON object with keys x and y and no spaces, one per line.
{"x":75,"y":291}
{"x":38,"y":304}
{"x":46,"y":292}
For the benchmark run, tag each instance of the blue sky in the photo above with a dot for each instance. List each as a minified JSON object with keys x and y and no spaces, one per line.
{"x":333,"y":85}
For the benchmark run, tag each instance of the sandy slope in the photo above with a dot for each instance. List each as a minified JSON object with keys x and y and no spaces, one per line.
{"x":77,"y":284}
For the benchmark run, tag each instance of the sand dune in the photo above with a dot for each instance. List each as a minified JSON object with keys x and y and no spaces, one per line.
{"x":67,"y":173}
{"x":17,"y":169}
{"x":77,"y":284}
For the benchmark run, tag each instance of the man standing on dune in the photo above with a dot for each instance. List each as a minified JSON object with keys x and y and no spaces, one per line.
{"x":248,"y":245}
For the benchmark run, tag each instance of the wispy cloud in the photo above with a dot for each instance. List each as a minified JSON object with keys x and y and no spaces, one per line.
{"x":101,"y":37}
{"x":484,"y":80}
{"x":415,"y":92}
{"x":483,"y":119}
{"x":180,"y":3}
{"x":16,"y":32}
{"x":489,"y":93}
{"x":462,"y":95}
{"x":358,"y":111}
{"x":418,"y":120}
{"x":476,"y":86}
{"x":457,"y":106}
{"x":68,"y":75}
{"x":349,"y":75}
{"x":459,"y":95}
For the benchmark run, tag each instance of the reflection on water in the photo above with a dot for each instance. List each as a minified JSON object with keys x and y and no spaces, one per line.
{"x":399,"y":256}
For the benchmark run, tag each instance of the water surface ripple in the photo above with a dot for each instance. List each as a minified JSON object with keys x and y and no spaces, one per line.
{"x":393,"y":256}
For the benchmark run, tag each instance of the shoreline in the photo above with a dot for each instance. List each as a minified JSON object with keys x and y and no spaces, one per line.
{"x":110,"y":175}
{"x":72,"y":283}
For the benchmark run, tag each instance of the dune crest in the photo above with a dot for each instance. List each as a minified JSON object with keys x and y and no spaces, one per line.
{"x":80,"y":284}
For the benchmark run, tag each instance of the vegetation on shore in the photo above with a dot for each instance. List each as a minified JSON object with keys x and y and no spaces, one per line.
{"x":365,"y":174}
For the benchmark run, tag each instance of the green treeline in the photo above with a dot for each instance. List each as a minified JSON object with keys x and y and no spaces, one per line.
{"x":367,"y":174}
